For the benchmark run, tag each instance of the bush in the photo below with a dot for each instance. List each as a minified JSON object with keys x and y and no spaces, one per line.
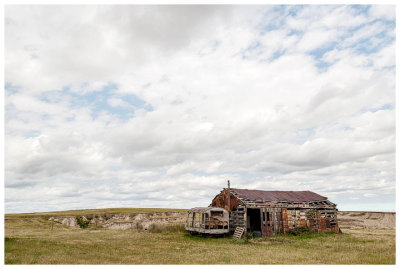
{"x":82,"y":223}
{"x":248,"y":236}
{"x":107,"y":216}
{"x":156,"y":228}
{"x":139,"y":226}
{"x":9,"y":239}
{"x":299,"y":231}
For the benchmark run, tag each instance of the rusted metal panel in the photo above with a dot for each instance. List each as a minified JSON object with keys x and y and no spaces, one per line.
{"x":221,"y":200}
{"x":321,"y":222}
{"x":285,"y":221}
{"x":277,"y":196}
{"x":267,"y":230}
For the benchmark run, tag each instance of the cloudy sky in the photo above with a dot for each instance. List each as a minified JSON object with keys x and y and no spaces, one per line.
{"x":158,"y":106}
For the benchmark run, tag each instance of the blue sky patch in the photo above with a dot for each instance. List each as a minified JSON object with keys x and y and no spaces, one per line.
{"x":277,"y":54}
{"x":383,"y":107}
{"x":10,"y":88}
{"x":98,"y":101}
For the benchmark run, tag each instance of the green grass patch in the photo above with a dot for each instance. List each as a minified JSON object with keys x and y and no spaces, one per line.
{"x":9,"y":239}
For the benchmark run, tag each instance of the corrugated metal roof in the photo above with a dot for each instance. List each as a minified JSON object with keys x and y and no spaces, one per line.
{"x":280,"y":196}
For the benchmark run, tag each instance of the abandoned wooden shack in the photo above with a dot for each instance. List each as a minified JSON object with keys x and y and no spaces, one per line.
{"x":266,"y":213}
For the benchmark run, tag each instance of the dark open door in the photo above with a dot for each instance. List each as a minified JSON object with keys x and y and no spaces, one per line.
{"x":254,"y":221}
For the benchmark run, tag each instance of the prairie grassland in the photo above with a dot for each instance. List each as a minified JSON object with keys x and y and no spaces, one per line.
{"x":29,"y":240}
{"x":101,"y":211}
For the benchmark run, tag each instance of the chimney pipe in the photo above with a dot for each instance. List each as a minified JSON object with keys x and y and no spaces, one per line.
{"x":229,"y":196}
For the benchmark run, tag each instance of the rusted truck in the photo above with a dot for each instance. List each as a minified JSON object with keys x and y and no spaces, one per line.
{"x":207,"y":220}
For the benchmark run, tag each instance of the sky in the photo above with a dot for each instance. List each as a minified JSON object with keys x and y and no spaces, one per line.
{"x":158,"y":106}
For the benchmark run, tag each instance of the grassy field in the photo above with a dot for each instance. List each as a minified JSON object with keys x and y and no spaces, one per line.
{"x":29,"y":240}
{"x":93,"y":211}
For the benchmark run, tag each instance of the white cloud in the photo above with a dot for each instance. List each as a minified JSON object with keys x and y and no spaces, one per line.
{"x":118,"y":102}
{"x":317,"y":39}
{"x":227,"y":93}
{"x":80,"y":44}
{"x":385,"y":57}
{"x":387,"y":12}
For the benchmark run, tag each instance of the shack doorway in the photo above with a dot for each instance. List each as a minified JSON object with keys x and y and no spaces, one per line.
{"x":254,"y":221}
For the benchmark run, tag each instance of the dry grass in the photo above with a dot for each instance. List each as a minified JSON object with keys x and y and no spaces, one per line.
{"x":163,"y":228}
{"x":29,"y":240}
{"x":101,"y":211}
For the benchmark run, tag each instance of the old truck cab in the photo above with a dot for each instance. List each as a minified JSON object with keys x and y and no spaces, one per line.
{"x":207,"y":220}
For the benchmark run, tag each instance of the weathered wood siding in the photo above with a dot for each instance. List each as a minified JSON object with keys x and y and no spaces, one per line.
{"x":316,"y":220}
{"x":280,"y":217}
{"x":238,"y":218}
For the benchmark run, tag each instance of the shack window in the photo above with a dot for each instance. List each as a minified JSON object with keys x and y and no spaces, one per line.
{"x":190,"y":220}
{"x":197,"y":220}
{"x":268,"y":223}
{"x":217,"y":213}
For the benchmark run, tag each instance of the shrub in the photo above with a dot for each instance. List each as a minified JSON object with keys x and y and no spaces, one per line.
{"x":139,"y":226}
{"x":9,"y":239}
{"x":156,"y":228}
{"x":82,"y":223}
{"x":248,"y":236}
{"x":300,"y":231}
{"x":107,"y":216}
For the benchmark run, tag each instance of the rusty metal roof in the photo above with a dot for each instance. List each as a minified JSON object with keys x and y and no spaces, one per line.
{"x":279,"y":196}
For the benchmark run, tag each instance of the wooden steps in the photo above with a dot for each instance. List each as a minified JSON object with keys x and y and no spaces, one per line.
{"x":238,"y":233}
